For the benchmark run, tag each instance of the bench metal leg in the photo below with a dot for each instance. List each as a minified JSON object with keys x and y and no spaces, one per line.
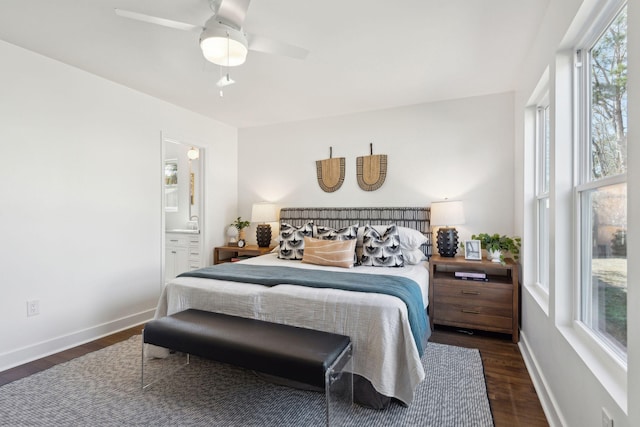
{"x":339,"y":376}
{"x":144,"y":386}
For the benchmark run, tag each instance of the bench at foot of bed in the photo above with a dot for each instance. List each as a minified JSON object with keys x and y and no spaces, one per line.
{"x":315,"y":358}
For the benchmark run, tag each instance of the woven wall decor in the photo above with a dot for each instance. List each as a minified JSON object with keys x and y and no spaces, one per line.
{"x":371,"y":170}
{"x":330,"y":172}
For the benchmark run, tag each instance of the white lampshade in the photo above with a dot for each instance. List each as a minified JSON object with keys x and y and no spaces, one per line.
{"x":263,"y":212}
{"x":223,"y":45}
{"x":447,"y":213}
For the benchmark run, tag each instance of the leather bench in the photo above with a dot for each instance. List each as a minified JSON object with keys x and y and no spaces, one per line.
{"x":312,"y":357}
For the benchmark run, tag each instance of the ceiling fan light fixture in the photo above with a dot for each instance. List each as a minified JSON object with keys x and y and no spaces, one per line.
{"x":224,"y":81}
{"x":223,"y":45}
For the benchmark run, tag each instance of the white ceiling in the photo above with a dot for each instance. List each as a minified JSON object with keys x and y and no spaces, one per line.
{"x":364,"y":54}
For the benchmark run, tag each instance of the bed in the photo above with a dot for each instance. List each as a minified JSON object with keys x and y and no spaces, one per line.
{"x":383,"y":326}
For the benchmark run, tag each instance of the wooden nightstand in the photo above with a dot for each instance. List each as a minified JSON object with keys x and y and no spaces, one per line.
{"x":234,"y":251}
{"x":490,"y":305}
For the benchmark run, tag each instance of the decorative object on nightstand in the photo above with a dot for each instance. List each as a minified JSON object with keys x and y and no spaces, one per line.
{"x":446,"y":214}
{"x":263,"y":213}
{"x":232,"y":234}
{"x":496,"y":246}
{"x":239,"y":225}
{"x":473,"y":250}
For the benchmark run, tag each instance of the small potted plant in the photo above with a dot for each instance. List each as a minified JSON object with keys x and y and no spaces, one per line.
{"x":240,"y":225}
{"x":497,"y":245}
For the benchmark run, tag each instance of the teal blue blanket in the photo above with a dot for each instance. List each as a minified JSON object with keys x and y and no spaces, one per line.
{"x":401,"y":287}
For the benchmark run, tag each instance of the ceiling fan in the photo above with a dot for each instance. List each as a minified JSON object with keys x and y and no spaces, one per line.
{"x":222,"y":38}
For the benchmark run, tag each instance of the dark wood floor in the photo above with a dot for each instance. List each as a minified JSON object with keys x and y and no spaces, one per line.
{"x":514,"y":401}
{"x":49,"y":361}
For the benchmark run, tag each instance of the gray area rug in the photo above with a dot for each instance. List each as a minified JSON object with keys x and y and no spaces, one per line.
{"x":103,"y":389}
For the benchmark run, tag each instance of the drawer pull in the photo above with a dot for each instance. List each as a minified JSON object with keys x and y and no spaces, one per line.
{"x":464,"y":310}
{"x":471,"y":292}
{"x":174,"y":240}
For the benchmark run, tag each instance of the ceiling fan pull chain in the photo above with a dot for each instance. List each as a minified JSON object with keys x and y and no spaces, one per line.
{"x":226,"y":79}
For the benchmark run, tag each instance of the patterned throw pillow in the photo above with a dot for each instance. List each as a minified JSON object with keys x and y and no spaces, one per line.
{"x":291,"y":240}
{"x":381,"y":250}
{"x":328,"y":233}
{"x":347,"y":233}
{"x":332,"y":253}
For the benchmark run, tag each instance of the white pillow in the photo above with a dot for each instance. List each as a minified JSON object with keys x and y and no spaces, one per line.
{"x":413,"y":256}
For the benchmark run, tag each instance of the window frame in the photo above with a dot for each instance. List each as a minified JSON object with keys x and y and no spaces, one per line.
{"x":542,"y":172}
{"x":583,"y":181}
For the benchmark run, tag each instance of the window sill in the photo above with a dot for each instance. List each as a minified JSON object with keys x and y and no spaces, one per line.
{"x":606,"y":366}
{"x":540,"y":295}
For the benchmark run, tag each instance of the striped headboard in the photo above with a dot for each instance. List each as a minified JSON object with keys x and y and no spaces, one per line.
{"x":416,"y":218}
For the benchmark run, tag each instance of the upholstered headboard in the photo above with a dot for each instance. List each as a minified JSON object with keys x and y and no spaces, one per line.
{"x":416,"y":218}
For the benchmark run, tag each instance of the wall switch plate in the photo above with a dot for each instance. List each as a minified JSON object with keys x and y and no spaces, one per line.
{"x":607,"y":421}
{"x":33,"y":308}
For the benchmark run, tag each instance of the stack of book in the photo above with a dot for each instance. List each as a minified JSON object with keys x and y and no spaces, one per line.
{"x":478,"y":276}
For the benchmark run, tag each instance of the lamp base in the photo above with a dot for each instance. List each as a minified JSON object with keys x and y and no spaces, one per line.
{"x":447,"y":242}
{"x":263,"y":235}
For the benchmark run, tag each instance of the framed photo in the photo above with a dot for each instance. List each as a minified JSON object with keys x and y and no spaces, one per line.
{"x":472,"y":250}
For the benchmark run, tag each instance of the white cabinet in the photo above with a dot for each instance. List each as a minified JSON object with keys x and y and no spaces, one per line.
{"x":182,"y":253}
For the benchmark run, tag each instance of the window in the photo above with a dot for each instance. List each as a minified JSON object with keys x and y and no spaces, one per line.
{"x":542,"y":140}
{"x":601,"y":182}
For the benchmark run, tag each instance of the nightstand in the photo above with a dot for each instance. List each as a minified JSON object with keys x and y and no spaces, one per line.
{"x":490,"y":305}
{"x":234,"y":251}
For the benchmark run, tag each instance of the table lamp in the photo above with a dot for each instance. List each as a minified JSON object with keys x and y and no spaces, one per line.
{"x":262,"y":213}
{"x":444,"y":215}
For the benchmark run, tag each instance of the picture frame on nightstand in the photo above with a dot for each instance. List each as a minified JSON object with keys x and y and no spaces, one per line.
{"x":472,"y":250}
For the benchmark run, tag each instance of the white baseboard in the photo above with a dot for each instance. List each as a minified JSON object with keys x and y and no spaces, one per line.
{"x":36,"y":351}
{"x":549,"y":404}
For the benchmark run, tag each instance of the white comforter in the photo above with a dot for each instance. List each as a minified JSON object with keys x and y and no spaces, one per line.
{"x":384,"y":349}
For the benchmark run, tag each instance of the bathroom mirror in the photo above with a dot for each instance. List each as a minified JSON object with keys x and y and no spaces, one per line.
{"x":182,"y":185}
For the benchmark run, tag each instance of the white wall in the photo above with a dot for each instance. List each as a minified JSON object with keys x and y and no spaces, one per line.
{"x":574,"y":389}
{"x":80,"y":201}
{"x":460,"y":149}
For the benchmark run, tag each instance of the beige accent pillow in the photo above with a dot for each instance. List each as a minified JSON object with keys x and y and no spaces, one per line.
{"x":332,"y":253}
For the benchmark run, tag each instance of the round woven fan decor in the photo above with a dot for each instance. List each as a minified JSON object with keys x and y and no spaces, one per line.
{"x":371,"y":171}
{"x":330,"y":173}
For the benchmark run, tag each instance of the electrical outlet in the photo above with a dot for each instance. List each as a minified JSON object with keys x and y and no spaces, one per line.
{"x":607,"y":421}
{"x":33,"y":308}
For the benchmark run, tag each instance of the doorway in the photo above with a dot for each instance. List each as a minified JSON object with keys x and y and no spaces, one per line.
{"x":182,"y":207}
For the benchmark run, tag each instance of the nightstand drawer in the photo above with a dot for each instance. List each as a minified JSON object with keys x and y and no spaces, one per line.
{"x":487,"y":295}
{"x":474,"y":317}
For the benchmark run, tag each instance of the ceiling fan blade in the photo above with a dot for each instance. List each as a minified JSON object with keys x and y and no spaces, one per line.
{"x":158,"y":21}
{"x":266,"y":45}
{"x":233,"y":12}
